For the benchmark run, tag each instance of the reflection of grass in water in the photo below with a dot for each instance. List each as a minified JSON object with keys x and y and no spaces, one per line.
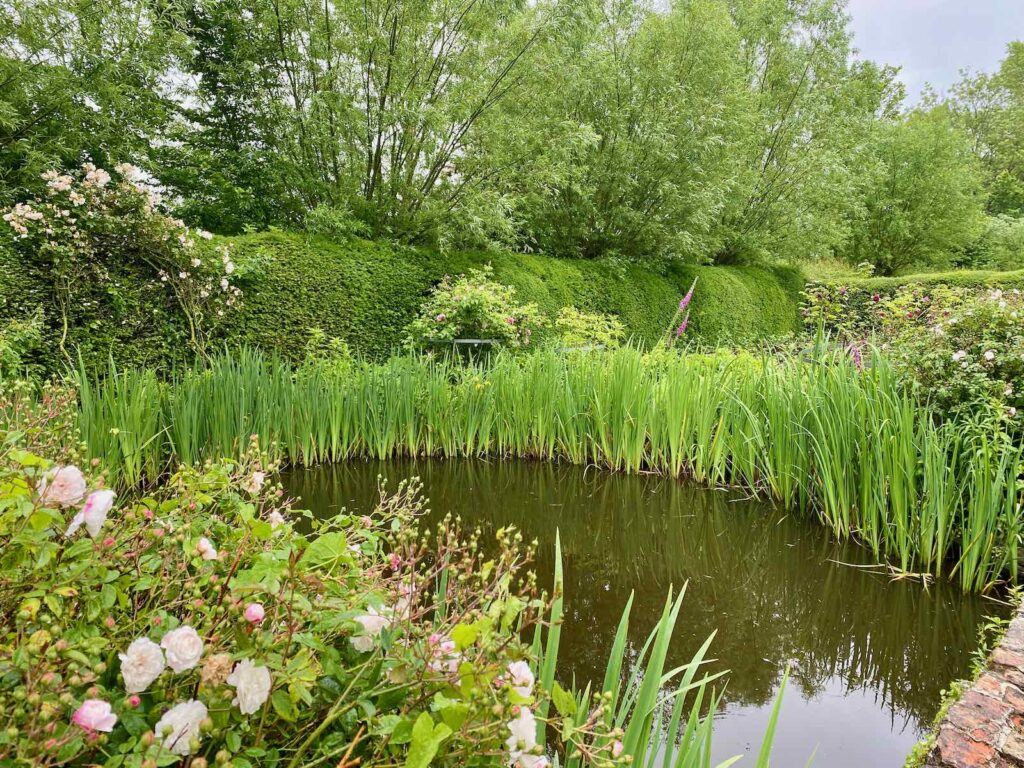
{"x":761,"y":578}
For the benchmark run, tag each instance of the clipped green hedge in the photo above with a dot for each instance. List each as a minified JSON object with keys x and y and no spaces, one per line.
{"x":958,"y":278}
{"x":366,"y":293}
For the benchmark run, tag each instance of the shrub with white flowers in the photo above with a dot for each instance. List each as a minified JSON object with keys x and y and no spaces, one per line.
{"x":90,"y":223}
{"x":207,"y":622}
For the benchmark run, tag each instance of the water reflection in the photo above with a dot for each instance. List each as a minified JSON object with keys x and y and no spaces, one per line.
{"x":869,"y":656}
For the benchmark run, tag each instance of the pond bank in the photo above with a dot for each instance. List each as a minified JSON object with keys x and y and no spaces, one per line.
{"x":985,"y":728}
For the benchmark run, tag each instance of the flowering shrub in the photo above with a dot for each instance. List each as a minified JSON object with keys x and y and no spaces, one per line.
{"x":962,"y":349}
{"x":199,"y":621}
{"x":583,"y":329}
{"x":89,"y":222}
{"x":476,"y":306}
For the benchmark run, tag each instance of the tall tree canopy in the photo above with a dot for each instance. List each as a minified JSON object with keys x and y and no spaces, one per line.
{"x":708,"y":130}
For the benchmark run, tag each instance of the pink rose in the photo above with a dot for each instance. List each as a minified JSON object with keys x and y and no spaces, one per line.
{"x":254,"y":613}
{"x":94,"y":715}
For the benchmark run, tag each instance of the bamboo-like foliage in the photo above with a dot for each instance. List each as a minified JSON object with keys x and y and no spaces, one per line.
{"x":818,"y":435}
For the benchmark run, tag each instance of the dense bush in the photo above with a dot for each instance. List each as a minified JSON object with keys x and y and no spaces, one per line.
{"x":366,"y":293}
{"x":961,"y":348}
{"x":475,"y":306}
{"x":93,"y":249}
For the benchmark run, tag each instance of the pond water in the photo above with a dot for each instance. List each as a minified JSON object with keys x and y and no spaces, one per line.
{"x":869,"y":656}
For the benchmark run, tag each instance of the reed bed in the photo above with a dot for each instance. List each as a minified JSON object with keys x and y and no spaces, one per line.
{"x":819,"y":436}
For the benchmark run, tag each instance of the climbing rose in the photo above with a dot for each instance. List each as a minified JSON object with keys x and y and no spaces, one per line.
{"x":254,"y":613}
{"x":255,"y":482}
{"x":372,"y":623}
{"x":141,"y":664}
{"x":206,"y":549}
{"x":183,"y":721}
{"x":523,"y":736}
{"x":521,"y":678}
{"x":184,"y":648}
{"x":252,"y":686}
{"x":94,"y":715}
{"x":93,"y":514}
{"x":65,"y":487}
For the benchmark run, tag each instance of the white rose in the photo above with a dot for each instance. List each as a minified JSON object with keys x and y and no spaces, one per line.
{"x":252,"y":686}
{"x":523,"y":738}
{"x":206,"y":549}
{"x":141,"y":664}
{"x":65,"y":487}
{"x":256,"y":482}
{"x":372,"y":623}
{"x":181,"y":723}
{"x":93,"y":514}
{"x":521,"y":678}
{"x":184,"y":648}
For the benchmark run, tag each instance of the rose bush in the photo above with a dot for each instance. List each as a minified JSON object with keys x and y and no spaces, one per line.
{"x":960,"y":349}
{"x":358,"y":638}
{"x":90,"y":224}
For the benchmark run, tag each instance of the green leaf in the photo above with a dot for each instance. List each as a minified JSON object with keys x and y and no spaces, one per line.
{"x":426,"y":740}
{"x":283,"y":705}
{"x":563,"y":701}
{"x":464,"y":635}
{"x":327,"y":553}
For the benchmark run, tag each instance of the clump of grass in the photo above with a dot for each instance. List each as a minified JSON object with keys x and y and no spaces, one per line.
{"x":821,"y":435}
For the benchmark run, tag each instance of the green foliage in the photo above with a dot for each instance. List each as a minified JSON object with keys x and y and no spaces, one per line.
{"x":924,"y":200}
{"x":960,"y":348}
{"x":475,"y":306}
{"x":81,"y":82}
{"x":991,"y":107}
{"x":18,"y":339}
{"x":1000,"y":245}
{"x":367,"y":293}
{"x":588,"y":329}
{"x":838,"y":438}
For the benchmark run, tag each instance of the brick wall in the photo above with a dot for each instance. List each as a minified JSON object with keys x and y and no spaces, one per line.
{"x":985,"y":728}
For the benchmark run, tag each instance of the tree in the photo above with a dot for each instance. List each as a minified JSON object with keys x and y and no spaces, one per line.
{"x":991,"y":109}
{"x":81,"y":79}
{"x":371,"y":107}
{"x":925,"y":201}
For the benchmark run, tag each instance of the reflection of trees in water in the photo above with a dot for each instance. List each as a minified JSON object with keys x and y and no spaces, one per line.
{"x":760,"y":578}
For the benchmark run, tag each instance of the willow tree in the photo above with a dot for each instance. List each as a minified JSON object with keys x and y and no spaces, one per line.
{"x":371,"y":107}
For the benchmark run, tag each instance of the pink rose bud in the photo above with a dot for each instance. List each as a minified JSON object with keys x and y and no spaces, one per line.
{"x":109,"y":621}
{"x":94,"y":715}
{"x":109,"y":541}
{"x":148,"y":514}
{"x":254,"y":613}
{"x":134,"y":701}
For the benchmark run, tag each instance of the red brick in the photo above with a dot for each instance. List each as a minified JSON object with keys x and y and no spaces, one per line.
{"x":979,"y":716}
{"x":957,"y":750}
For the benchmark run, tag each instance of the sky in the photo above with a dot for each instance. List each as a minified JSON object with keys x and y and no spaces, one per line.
{"x":932,"y":40}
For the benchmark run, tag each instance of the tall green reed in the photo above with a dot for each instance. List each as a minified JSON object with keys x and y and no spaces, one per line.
{"x":819,"y":435}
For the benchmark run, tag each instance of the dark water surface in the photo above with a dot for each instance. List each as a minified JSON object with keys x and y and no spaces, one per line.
{"x":869,"y":656}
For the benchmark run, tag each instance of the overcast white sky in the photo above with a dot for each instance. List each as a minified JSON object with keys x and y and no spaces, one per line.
{"x":932,"y":40}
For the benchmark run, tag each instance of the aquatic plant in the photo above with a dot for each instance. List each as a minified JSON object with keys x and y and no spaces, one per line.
{"x":820,"y":434}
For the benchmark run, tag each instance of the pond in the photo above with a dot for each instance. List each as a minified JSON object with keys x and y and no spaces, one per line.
{"x":869,"y":656}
